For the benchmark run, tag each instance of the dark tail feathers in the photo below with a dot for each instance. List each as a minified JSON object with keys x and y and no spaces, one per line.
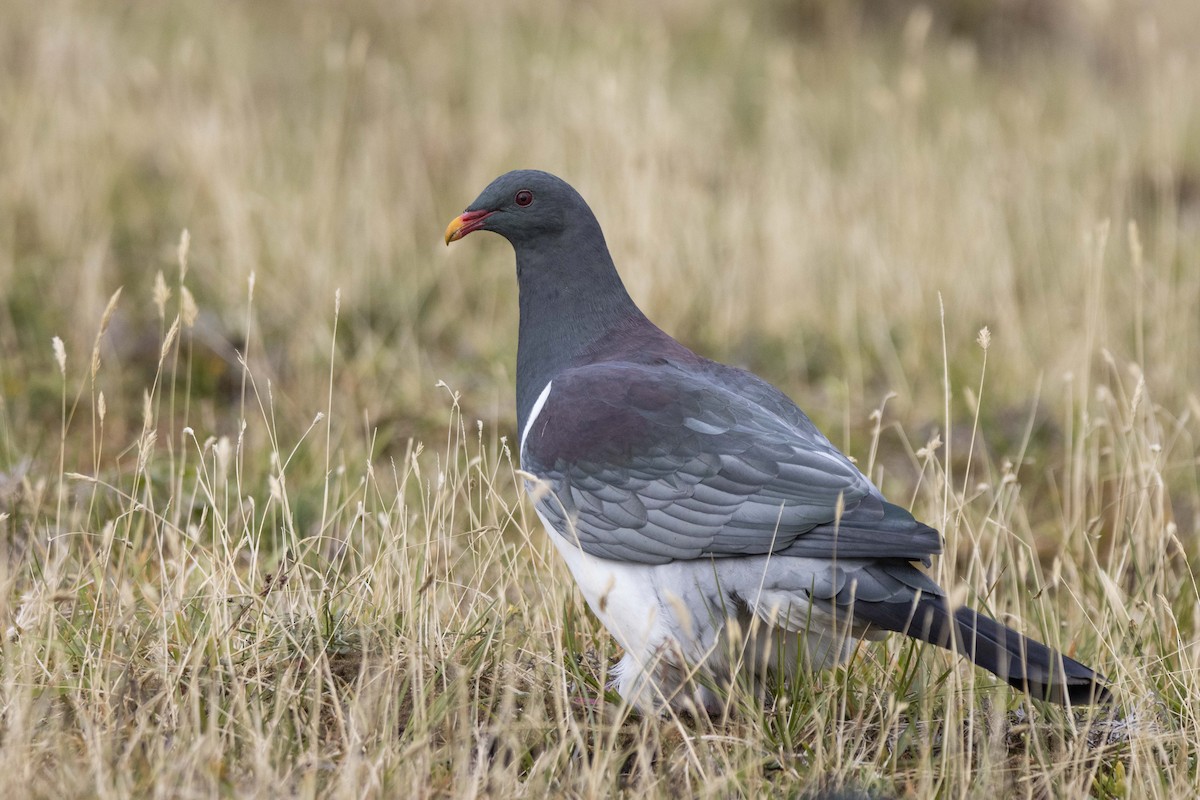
{"x":1025,"y":664}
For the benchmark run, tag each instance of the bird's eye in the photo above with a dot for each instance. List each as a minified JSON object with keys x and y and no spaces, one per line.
{"x":524,"y":198}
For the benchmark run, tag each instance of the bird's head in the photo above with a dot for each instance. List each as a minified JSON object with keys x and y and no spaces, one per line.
{"x":521,"y":206}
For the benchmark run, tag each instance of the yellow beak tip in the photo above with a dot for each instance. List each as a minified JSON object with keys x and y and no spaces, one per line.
{"x":453,"y":230}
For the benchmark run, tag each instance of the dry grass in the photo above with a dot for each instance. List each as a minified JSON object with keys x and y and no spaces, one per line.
{"x":229,"y":565}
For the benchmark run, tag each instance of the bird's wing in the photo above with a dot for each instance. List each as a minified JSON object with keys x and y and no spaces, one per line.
{"x":653,"y":463}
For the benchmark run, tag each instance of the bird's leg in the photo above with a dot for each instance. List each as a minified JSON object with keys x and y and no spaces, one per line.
{"x":652,"y":684}
{"x":635,"y":682}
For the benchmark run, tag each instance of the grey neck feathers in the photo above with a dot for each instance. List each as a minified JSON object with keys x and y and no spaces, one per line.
{"x":571,"y":298}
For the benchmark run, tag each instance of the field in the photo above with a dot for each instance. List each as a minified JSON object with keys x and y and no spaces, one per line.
{"x":261,"y":531}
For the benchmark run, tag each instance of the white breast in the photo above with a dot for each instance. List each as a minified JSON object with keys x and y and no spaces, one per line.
{"x":623,"y":596}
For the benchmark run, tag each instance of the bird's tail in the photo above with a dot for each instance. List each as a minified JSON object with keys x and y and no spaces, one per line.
{"x":1024,"y":663}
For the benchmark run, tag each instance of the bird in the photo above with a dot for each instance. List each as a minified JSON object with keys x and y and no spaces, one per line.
{"x":712,"y":529}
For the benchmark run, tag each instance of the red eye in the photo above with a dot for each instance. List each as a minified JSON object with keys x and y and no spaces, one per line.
{"x":524,"y":198}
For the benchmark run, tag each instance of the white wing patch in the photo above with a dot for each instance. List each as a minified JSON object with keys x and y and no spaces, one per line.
{"x":533,"y":415}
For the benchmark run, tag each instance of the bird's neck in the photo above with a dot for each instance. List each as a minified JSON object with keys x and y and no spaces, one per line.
{"x":569,"y":303}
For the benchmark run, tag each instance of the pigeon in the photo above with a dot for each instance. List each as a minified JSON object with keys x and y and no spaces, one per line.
{"x":709,"y":525}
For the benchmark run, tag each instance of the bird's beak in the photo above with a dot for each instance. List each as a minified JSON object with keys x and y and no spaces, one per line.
{"x":464,"y":223}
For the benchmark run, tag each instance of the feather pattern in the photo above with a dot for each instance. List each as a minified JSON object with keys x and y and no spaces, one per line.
{"x":656,"y":462}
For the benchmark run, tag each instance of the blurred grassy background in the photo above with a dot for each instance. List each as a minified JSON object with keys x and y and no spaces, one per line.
{"x":796,"y":186}
{"x":785,"y":185}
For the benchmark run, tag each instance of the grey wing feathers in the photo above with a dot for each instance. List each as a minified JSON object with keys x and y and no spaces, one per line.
{"x":874,"y":528}
{"x":652,"y":464}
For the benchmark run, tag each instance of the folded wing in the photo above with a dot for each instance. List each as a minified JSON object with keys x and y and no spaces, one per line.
{"x":651,"y":463}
